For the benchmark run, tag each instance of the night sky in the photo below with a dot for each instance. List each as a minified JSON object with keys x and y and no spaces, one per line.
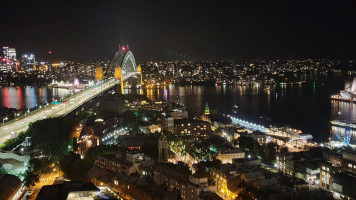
{"x":164,"y":30}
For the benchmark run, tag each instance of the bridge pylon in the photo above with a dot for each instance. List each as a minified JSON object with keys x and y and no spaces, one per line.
{"x":118,"y":76}
{"x":140,"y":70}
{"x":99,"y":73}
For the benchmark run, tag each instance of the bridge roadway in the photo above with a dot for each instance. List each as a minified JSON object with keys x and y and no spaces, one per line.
{"x":54,"y":110}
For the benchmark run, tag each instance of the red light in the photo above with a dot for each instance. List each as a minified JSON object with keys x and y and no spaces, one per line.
{"x":3,"y":59}
{"x":50,"y":52}
{"x":123,"y":48}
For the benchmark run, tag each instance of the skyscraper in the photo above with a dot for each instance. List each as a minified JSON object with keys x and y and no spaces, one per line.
{"x":9,"y":53}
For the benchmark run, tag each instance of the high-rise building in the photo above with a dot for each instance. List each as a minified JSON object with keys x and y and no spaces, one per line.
{"x":28,"y":59}
{"x":9,"y":53}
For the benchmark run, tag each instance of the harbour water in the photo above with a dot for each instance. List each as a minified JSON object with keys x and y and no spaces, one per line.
{"x":28,"y":97}
{"x":307,"y":107}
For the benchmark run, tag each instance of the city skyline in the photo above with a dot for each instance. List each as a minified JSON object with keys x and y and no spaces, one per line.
{"x":200,"y":30}
{"x":177,"y":100}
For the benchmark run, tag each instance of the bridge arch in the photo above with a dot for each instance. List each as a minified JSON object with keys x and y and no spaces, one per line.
{"x":125,"y":60}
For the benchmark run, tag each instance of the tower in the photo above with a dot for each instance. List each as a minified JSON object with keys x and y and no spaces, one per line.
{"x":118,"y":76}
{"x":118,"y":73}
{"x":162,"y":149}
{"x":140,"y":70}
{"x":98,"y":73}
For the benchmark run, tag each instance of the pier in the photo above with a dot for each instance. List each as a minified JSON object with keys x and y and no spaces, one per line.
{"x":291,"y":138}
{"x":338,"y":97}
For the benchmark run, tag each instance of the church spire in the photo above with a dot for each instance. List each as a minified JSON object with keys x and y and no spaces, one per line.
{"x":206,"y":109}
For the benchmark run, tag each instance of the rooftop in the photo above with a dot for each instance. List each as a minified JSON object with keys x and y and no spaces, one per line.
{"x":8,"y":183}
{"x":61,"y":191}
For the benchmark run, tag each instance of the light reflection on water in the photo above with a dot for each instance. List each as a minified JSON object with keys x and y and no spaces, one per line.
{"x":305,"y":107}
{"x":29,"y":96}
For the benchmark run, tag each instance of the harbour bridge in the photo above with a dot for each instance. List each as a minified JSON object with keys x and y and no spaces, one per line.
{"x":122,"y":67}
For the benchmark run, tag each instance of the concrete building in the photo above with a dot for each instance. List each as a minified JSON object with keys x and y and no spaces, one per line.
{"x":226,"y":180}
{"x":124,"y":165}
{"x":162,"y":149}
{"x":68,"y":190}
{"x":343,"y":186}
{"x":251,"y":177}
{"x":187,"y":126}
{"x":327,"y":172}
{"x":259,"y":137}
{"x":99,"y":131}
{"x":137,"y":188}
{"x":229,"y":155}
{"x":167,"y":122}
{"x":9,"y":53}
{"x":349,"y":162}
{"x":178,"y":113}
{"x":308,"y":171}
{"x":189,"y":186}
{"x":222,"y":122}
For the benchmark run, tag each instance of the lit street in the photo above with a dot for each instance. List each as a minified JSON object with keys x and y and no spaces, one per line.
{"x":55,"y":110}
{"x":46,"y":178}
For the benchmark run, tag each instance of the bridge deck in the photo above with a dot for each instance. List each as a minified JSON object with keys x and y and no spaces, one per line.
{"x":52,"y":111}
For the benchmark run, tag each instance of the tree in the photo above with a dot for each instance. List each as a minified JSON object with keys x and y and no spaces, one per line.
{"x":250,"y":145}
{"x":51,"y":135}
{"x":74,"y":144}
{"x":38,"y":165}
{"x":73,"y":167}
{"x":9,"y":144}
{"x":81,"y":115}
{"x":94,"y":152}
{"x":131,"y":121}
{"x":270,"y":150}
{"x":30,"y":178}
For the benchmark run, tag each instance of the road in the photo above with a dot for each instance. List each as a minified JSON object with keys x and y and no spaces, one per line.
{"x":53,"y":111}
{"x":46,"y":178}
